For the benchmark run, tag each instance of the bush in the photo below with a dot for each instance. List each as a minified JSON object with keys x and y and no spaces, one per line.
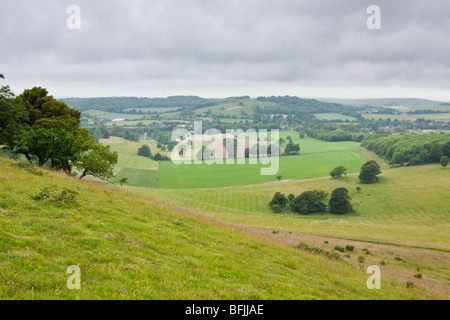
{"x":339,"y":248}
{"x":410,"y":284}
{"x":276,"y":208}
{"x":418,"y":276}
{"x":349,"y":248}
{"x":361,"y":259}
{"x":57,"y":196}
{"x":329,"y":254}
{"x":279,"y":200}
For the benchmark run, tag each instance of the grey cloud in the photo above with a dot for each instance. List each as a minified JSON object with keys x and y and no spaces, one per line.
{"x":225,"y":43}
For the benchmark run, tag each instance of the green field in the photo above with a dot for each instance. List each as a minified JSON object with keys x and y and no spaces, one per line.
{"x":432,"y":116}
{"x":291,"y":167}
{"x":395,"y":209}
{"x":140,"y":171}
{"x":105,"y":115}
{"x":159,"y":110}
{"x":132,"y":247}
{"x":333,"y":116}
{"x":234,"y":109}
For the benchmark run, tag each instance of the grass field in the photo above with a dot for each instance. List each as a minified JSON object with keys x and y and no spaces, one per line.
{"x":140,"y":171}
{"x":433,"y":116}
{"x":233,"y":108}
{"x":131,"y":247}
{"x":408,"y":206}
{"x":291,"y":167}
{"x":333,"y":116}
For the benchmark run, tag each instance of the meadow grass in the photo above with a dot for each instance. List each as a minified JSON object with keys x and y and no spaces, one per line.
{"x":130,"y":247}
{"x":290,"y":167}
{"x":407,"y":206}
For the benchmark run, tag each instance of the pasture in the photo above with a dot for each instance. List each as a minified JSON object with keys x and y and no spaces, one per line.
{"x":132,"y":247}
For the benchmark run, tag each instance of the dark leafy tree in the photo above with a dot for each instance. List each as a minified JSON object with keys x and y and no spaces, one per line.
{"x":436,"y":152}
{"x":338,"y":172}
{"x":369,"y":172}
{"x":309,"y":202}
{"x":97,"y":161}
{"x":444,"y":161}
{"x":291,"y":197}
{"x":278,"y":199}
{"x":157,"y":157}
{"x":340,"y":201}
{"x":292,"y":149}
{"x":144,"y":151}
{"x":446,"y":149}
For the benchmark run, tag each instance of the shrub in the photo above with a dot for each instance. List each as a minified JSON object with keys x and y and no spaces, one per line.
{"x":349,"y":248}
{"x":57,"y":196}
{"x":410,"y":284}
{"x":278,"y":199}
{"x":361,"y":259}
{"x":418,"y":276}
{"x":329,"y":254}
{"x":276,"y":208}
{"x":339,"y":248}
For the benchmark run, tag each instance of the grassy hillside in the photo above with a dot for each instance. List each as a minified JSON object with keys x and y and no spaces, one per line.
{"x":407,"y":206}
{"x":131,"y":247}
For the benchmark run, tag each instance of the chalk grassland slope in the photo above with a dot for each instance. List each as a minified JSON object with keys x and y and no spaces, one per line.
{"x":407,"y":206}
{"x":130,"y":247}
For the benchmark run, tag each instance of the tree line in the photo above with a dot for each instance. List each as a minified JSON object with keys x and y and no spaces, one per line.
{"x":409,"y":149}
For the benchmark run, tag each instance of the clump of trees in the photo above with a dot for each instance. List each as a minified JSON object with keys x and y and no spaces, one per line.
{"x":409,"y":149}
{"x":313,"y":202}
{"x":47,"y":132}
{"x":292,"y":149}
{"x":369,"y":172}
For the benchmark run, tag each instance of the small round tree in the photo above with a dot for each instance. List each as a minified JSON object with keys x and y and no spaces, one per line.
{"x":369,"y":172}
{"x":145,"y":151}
{"x":340,"y":201}
{"x":338,"y":172}
{"x":279,"y":200}
{"x":444,"y":161}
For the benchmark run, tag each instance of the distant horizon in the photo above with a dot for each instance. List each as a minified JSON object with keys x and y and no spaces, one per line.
{"x":250,"y":97}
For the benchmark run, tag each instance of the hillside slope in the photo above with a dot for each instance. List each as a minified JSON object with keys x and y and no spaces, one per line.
{"x":130,"y":247}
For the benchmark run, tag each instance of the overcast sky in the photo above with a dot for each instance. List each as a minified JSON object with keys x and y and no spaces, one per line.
{"x":219,"y":48}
